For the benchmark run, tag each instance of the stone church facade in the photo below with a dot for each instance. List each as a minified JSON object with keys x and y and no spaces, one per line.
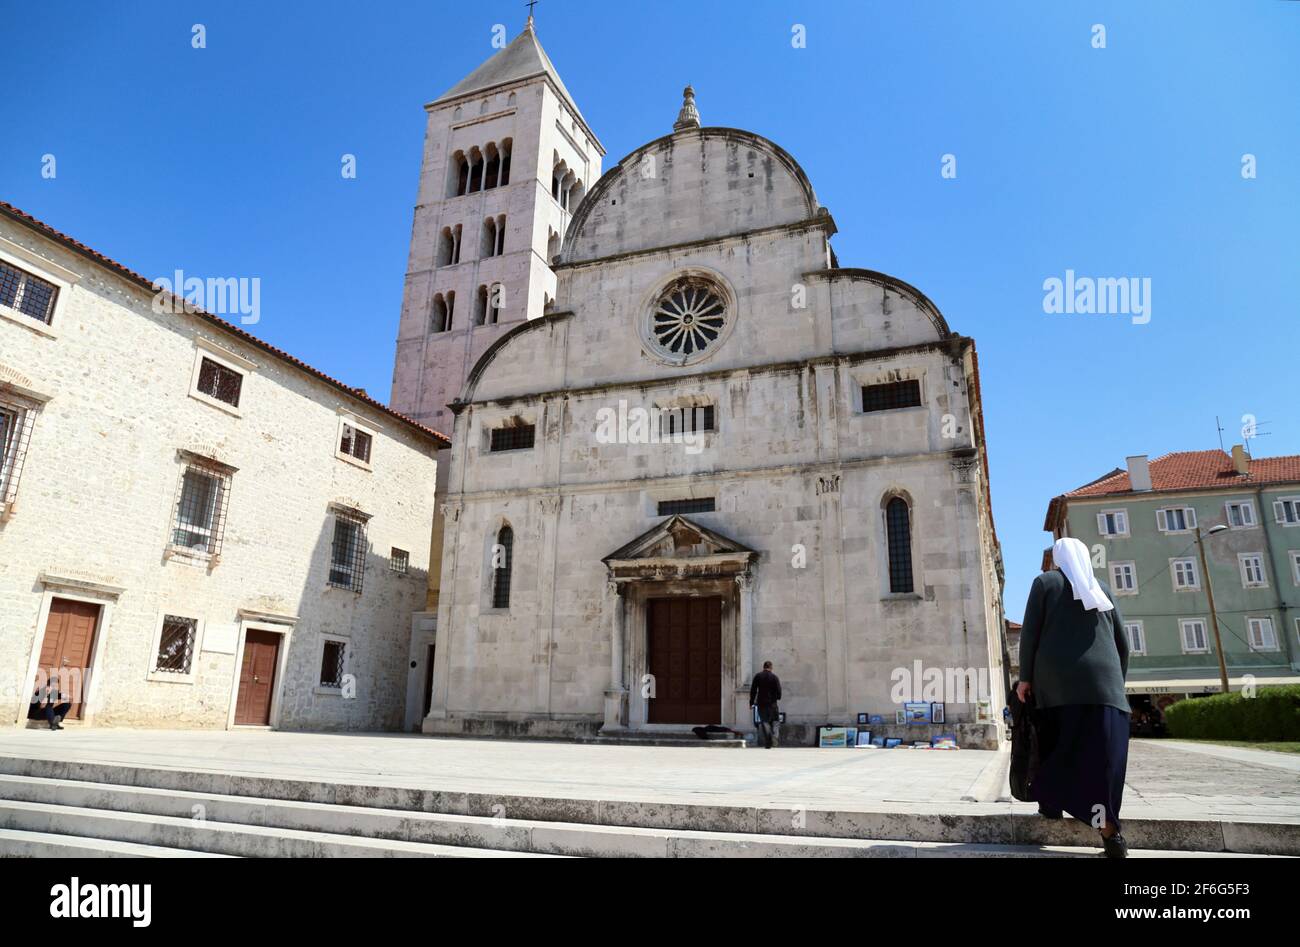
{"x":716,"y":447}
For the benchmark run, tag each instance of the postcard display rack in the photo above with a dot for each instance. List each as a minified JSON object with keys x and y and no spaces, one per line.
{"x":866,"y":734}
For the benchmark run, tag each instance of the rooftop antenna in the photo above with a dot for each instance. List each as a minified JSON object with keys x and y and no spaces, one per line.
{"x":1219,"y":425}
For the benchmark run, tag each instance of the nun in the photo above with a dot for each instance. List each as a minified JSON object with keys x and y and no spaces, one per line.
{"x":1073,"y":660}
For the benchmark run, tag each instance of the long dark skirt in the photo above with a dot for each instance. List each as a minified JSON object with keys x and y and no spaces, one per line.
{"x":1083,"y":749}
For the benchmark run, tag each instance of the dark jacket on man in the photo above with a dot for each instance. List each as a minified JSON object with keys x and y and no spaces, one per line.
{"x":765,"y":691}
{"x":1071,"y":654}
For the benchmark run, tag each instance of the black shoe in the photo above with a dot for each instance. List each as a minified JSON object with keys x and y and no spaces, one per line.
{"x":1115,"y":846}
{"x":1048,"y":815}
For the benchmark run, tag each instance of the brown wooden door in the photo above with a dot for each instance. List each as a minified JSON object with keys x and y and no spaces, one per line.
{"x":66,"y":649}
{"x":684,"y":645}
{"x":257,"y":677}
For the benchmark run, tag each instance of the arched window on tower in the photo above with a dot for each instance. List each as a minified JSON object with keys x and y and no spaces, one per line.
{"x":898,"y":538}
{"x":480,"y":306}
{"x":441,"y":320}
{"x":506,"y":146}
{"x":557,"y":180}
{"x":488,"y":245}
{"x":501,"y":234}
{"x":446,"y":247}
{"x":475,"y":171}
{"x":493,"y":168}
{"x":459,"y":182}
{"x":503,"y":561}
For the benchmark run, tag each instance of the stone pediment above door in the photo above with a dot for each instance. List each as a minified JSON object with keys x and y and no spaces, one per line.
{"x":679,"y":548}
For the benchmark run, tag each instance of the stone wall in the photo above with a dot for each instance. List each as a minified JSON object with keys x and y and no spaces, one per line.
{"x":97,"y":497}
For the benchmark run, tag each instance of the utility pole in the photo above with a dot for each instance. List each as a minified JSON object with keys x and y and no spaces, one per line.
{"x":1214,"y":617}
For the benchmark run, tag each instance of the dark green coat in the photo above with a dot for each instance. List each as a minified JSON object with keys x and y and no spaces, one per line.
{"x":1070,"y":654}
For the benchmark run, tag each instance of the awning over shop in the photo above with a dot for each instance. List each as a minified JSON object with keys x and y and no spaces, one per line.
{"x":1204,"y":685}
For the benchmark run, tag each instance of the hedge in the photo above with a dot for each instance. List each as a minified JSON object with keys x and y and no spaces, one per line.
{"x":1272,"y":714}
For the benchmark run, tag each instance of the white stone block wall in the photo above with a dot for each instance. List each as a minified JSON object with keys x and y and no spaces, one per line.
{"x":97,"y":495}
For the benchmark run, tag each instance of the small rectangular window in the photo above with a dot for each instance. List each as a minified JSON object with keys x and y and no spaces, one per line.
{"x":220,"y":382}
{"x":1252,"y":570}
{"x":1123,"y":577}
{"x":1137,"y":643}
{"x":692,"y":505}
{"x":513,"y":437}
{"x":200,"y":516}
{"x":332,"y":664}
{"x":1184,"y":573}
{"x":27,"y":294}
{"x":1260,"y":631}
{"x":176,"y":645}
{"x":1295,"y":566}
{"x":896,"y":394}
{"x":1287,"y":511}
{"x":1194,"y":639}
{"x":348,"y":552}
{"x":1176,"y":520}
{"x":1112,"y":523}
{"x":1241,"y":515}
{"x":399,"y":561}
{"x":686,"y":420}
{"x":355,"y":443}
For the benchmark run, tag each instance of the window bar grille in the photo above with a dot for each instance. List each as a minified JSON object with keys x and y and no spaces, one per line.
{"x":348,"y":553}
{"x":176,"y":645}
{"x":899,"y":394}
{"x":30,"y":295}
{"x":502,"y":574}
{"x":688,"y":506}
{"x":200,"y":522}
{"x":15,"y":435}
{"x":218,"y":381}
{"x":515,"y":437}
{"x":331,"y":666}
{"x":899,"y":537}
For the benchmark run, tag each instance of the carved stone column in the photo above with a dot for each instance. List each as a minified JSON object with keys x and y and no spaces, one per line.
{"x":745,"y":582}
{"x":616,"y":693}
{"x":744,"y":719}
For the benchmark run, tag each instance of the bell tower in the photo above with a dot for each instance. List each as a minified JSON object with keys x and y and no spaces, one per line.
{"x":507,"y":158}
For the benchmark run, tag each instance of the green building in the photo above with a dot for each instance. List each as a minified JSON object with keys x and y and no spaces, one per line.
{"x":1141,"y":525}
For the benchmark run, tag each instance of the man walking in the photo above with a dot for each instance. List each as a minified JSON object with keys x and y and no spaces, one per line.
{"x":764,"y":693}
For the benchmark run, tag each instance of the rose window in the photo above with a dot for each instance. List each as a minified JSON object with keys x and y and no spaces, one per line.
{"x":688,"y":318}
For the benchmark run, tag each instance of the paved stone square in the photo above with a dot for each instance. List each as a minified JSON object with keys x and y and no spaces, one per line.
{"x":1166,"y":779}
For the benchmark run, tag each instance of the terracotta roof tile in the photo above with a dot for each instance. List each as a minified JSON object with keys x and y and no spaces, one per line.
{"x":40,"y":226}
{"x":1198,"y":470}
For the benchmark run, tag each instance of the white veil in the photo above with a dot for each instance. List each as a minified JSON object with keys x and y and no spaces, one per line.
{"x":1071,"y":557}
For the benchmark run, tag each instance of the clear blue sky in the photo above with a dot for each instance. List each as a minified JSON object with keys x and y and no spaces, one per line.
{"x":1123,"y":161}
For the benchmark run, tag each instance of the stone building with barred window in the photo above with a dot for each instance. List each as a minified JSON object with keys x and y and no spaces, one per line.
{"x":711,"y":447}
{"x":196,"y":529}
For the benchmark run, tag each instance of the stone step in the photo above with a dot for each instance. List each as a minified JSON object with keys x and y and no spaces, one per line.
{"x":504,"y":835}
{"x":670,"y":738}
{"x":221,"y":838}
{"x":18,"y":843}
{"x":976,"y":824}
